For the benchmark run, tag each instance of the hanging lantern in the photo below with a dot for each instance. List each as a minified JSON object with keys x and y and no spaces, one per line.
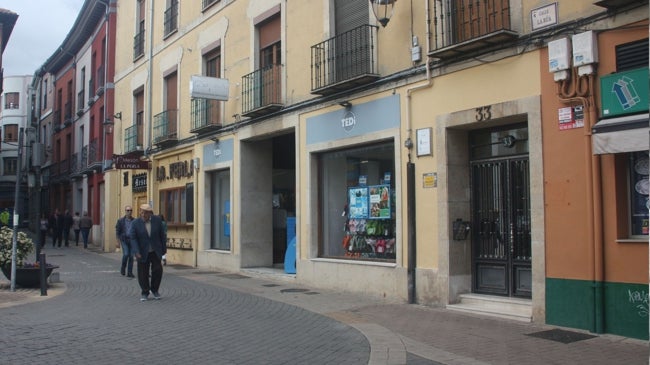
{"x":383,"y":10}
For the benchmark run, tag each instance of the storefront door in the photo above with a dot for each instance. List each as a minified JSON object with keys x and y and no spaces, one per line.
{"x":501,"y":240}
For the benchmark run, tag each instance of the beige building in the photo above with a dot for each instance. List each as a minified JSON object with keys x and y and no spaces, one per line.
{"x":396,"y":179}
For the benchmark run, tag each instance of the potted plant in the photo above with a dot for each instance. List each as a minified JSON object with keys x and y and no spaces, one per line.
{"x":26,"y":274}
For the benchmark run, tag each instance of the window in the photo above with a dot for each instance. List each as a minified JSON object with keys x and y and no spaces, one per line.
{"x":177,"y":205}
{"x":139,"y":117}
{"x":11,"y":133}
{"x":138,"y":40}
{"x":45,"y":91}
{"x":171,"y":17}
{"x":207,"y":3}
{"x":10,"y":165}
{"x":639,"y":189}
{"x":12,"y":100}
{"x":357,"y":192}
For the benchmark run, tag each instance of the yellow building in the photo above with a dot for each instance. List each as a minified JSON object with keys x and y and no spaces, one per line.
{"x":418,"y":183}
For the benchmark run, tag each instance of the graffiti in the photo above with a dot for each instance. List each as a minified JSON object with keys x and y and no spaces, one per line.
{"x":640,"y":300}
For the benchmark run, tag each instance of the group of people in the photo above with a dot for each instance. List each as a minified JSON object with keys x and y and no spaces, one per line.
{"x":59,"y":225}
{"x":144,"y":238}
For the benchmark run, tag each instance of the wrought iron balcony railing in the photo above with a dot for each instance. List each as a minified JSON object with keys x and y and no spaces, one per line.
{"x":81,"y":101}
{"x":133,"y":139}
{"x":67,"y":108}
{"x":467,"y":26}
{"x":205,"y":116}
{"x":100,"y":80}
{"x":171,"y":18}
{"x":261,"y":91}
{"x":344,"y":61}
{"x":165,"y":127}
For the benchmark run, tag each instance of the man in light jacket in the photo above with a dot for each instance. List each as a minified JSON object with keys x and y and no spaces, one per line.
{"x":149,"y":244}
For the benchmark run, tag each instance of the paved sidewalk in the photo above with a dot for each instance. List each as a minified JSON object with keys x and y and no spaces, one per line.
{"x":397,"y":333}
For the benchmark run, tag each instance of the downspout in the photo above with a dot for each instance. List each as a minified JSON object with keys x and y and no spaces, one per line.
{"x":593,"y":195}
{"x":149,"y":107}
{"x":410,"y":170}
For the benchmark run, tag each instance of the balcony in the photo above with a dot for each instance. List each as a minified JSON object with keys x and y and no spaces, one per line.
{"x":138,"y":45}
{"x":57,"y":121}
{"x":75,"y":165}
{"x":344,"y":61}
{"x":133,"y":139}
{"x":165,"y":128}
{"x":171,"y":18}
{"x":91,"y":158}
{"x":463,"y":27}
{"x":205,"y":116}
{"x":261,"y":91}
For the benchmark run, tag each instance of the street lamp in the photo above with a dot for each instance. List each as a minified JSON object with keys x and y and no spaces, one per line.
{"x":383,"y":10}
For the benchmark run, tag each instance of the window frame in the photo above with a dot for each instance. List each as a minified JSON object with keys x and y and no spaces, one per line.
{"x":176,"y":203}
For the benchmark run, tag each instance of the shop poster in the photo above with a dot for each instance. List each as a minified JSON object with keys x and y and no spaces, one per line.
{"x":358,"y":202}
{"x":379,"y":201}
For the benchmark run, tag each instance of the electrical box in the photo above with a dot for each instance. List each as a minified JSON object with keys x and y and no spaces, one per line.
{"x":416,"y":54}
{"x":585,"y":49}
{"x":559,"y":54}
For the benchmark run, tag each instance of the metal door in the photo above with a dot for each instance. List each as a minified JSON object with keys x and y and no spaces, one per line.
{"x":501,"y":226}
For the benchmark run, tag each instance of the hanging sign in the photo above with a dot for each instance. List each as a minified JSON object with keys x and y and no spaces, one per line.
{"x":130,"y":162}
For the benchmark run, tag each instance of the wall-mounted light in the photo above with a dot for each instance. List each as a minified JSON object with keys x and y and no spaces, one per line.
{"x":383,"y":10}
{"x":118,"y":115}
{"x":346,"y":104}
{"x":108,"y":126}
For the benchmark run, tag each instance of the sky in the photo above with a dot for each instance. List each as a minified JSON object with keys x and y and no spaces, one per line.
{"x":41,"y":27}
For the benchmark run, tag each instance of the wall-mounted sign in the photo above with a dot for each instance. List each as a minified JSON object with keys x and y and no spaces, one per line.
{"x":571,"y":117}
{"x":624,"y":92}
{"x":544,"y":16}
{"x":205,"y":87}
{"x":125,"y":162}
{"x":348,"y":121}
{"x":139,"y":184}
{"x":175,"y":170}
{"x":423,"y":141}
{"x":430,"y":180}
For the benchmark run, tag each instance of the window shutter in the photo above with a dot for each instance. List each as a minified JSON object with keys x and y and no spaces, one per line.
{"x":350,"y":14}
{"x":632,"y":55}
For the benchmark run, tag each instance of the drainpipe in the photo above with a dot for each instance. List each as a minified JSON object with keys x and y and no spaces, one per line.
{"x":594,"y":195}
{"x":149,"y":107}
{"x":410,"y":170}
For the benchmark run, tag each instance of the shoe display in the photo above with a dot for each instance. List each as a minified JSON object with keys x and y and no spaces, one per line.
{"x":144,"y":297}
{"x":156,"y":296}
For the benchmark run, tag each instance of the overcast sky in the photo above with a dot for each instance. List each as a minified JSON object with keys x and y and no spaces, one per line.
{"x":41,"y":27}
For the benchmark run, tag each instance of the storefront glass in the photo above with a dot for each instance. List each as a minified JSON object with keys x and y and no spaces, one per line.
{"x":639,"y":193}
{"x":357,"y":200}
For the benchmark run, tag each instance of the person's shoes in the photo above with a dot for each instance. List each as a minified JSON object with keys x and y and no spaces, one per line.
{"x":130,"y":276}
{"x":144,"y":297}
{"x":164,"y":261}
{"x":156,"y":296}
{"x":122,"y":272}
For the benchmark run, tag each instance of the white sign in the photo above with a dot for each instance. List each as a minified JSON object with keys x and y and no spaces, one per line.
{"x":205,"y":87}
{"x":543,"y":17}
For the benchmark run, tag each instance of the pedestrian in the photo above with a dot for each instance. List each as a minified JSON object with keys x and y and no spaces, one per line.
{"x":60,"y":223}
{"x":164,"y":257}
{"x":149,"y":243}
{"x":122,"y":229}
{"x":67,"y":225}
{"x":43,"y":229}
{"x":85,"y":224}
{"x":52,"y":226}
{"x":75,"y":227}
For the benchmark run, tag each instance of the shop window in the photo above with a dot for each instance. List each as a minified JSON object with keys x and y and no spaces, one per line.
{"x":638,"y":188}
{"x":177,"y":205}
{"x":357,"y":203}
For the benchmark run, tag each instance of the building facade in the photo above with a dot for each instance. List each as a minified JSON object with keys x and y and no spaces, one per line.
{"x":444,"y":157}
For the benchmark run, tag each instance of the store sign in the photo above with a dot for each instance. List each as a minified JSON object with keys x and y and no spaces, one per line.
{"x":130,"y":162}
{"x":624,"y":93}
{"x":571,"y":117}
{"x":176,"y":170}
{"x":139,"y":183}
{"x":349,"y":121}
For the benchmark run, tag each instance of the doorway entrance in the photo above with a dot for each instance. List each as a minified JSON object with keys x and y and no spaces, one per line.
{"x":500,"y":200}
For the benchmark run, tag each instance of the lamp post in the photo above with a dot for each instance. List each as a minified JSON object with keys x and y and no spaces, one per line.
{"x":14,"y":241}
{"x":383,"y":10}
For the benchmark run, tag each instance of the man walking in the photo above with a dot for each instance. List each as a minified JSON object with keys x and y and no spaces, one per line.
{"x":149,"y":243}
{"x":67,"y":225}
{"x":122,"y":229}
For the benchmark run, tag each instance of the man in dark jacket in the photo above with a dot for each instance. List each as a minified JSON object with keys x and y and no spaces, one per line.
{"x":149,"y":243}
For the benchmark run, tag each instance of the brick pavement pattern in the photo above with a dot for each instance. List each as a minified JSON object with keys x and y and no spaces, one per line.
{"x":211,"y":317}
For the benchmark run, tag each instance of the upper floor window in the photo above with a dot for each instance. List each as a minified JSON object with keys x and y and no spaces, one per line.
{"x":138,"y":40}
{"x":11,"y":133}
{"x":12,"y":100}
{"x":45,"y":91}
{"x":270,"y":41}
{"x":10,"y":165}
{"x":207,"y":3}
{"x":171,"y":17}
